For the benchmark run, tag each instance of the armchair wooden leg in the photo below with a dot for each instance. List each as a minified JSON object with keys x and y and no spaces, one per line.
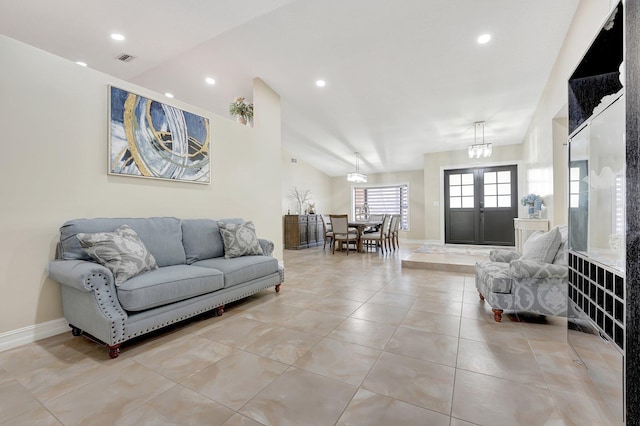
{"x":481,"y":296}
{"x":497,"y":314}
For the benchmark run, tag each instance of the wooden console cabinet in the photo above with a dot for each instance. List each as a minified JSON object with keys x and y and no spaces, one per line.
{"x":303,"y":231}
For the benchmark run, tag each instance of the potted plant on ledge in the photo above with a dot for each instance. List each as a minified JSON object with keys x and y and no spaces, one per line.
{"x":241,"y":110}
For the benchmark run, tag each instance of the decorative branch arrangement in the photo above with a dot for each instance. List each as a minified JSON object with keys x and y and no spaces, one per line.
{"x":301,"y":197}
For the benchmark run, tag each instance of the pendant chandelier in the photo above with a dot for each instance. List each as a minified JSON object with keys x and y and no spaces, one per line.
{"x":357,"y":176}
{"x":478,"y":150}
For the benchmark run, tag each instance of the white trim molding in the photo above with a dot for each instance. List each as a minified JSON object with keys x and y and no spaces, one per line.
{"x":22,"y":336}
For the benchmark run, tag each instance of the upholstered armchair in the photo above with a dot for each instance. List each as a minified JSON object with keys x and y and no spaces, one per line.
{"x":534,"y":281}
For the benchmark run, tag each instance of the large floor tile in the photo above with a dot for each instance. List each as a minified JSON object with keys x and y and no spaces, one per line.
{"x":427,"y":346}
{"x":381,"y":313}
{"x":237,"y":333}
{"x":235,"y":379}
{"x":184,"y":357}
{"x":434,"y":323}
{"x":339,"y":360}
{"x":357,"y":294}
{"x":500,"y":361}
{"x":178,"y":406}
{"x":487,"y":400}
{"x":423,"y":383}
{"x":362,"y":332}
{"x":37,"y":416}
{"x":300,"y":398}
{"x":282,"y":344}
{"x":392,"y":299}
{"x":314,"y":322}
{"x":15,"y":400}
{"x":336,"y":306}
{"x":499,"y":333}
{"x":446,"y":307}
{"x":106,"y":400}
{"x":370,"y":409}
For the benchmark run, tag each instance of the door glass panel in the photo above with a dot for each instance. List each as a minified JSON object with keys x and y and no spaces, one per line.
{"x":504,"y":201}
{"x":504,"y":189}
{"x":467,"y":179}
{"x":467,"y":191}
{"x":491,"y":201}
{"x":455,"y":191}
{"x":454,"y":180}
{"x":455,"y":202}
{"x":490,"y":190}
{"x":504,"y":177}
{"x":490,"y":177}
{"x":467,"y":202}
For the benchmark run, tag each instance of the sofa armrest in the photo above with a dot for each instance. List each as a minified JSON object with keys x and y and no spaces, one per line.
{"x":504,"y":256}
{"x":78,"y":273}
{"x":531,"y":269}
{"x":267,"y":246}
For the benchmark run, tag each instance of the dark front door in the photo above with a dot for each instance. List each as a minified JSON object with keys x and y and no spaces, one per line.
{"x":480,"y":204}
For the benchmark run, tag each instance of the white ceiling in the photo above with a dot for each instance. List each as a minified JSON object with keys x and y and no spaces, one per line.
{"x":404,"y":77}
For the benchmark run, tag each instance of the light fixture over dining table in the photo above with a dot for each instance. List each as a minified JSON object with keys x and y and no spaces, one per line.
{"x":357,"y":176}
{"x":478,"y":150}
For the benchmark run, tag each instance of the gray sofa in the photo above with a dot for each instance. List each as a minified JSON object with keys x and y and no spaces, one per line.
{"x":193,"y":276}
{"x":510,"y":281}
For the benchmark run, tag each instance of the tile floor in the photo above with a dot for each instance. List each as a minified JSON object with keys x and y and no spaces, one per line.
{"x":350,"y":340}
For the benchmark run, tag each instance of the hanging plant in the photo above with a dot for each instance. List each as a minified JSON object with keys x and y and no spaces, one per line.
{"x":240,"y":108}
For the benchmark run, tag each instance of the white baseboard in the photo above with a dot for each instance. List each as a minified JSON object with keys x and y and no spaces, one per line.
{"x":22,"y":336}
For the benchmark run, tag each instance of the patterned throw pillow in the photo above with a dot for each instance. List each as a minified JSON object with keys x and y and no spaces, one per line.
{"x":122,"y":251}
{"x":542,"y":246}
{"x":239,"y":239}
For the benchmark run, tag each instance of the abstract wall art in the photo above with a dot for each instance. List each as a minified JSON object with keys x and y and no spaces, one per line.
{"x":154,"y":140}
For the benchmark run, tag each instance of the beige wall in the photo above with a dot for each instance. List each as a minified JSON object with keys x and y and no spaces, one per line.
{"x":538,"y":149}
{"x":53,"y":168}
{"x":302,"y":175}
{"x":342,"y":190}
{"x":434,"y":166}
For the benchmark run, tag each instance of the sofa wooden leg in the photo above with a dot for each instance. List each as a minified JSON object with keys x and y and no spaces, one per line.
{"x":481,"y":296}
{"x":497,"y":314}
{"x":75,"y":331}
{"x":220,"y":310}
{"x":277,"y":288}
{"x":114,"y":350}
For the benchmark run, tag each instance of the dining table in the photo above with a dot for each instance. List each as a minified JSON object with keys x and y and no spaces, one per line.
{"x":361,"y":226}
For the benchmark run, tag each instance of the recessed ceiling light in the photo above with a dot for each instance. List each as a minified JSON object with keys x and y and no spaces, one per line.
{"x":82,"y":64}
{"x":321,"y":83}
{"x":117,"y":36}
{"x":169,"y":95}
{"x":484,"y":38}
{"x":210,"y":80}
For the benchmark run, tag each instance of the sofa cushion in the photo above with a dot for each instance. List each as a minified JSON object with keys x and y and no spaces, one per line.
{"x":241,"y":269}
{"x":542,"y":246}
{"x":161,"y":235}
{"x":562,"y":254}
{"x":202,"y":240}
{"x":239,"y":239}
{"x":167,"y":285}
{"x":121,"y":251}
{"x":495,"y":276}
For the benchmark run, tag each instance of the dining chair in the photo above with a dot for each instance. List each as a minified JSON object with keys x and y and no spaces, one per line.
{"x":328,"y":231}
{"x":393,"y":231}
{"x":341,"y":232}
{"x":379,"y":237}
